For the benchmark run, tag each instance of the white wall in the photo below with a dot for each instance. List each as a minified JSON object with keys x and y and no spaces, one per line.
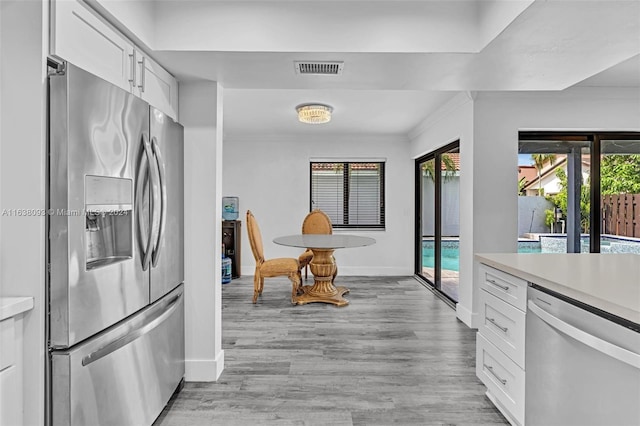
{"x":488,"y":156}
{"x":201,"y":116}
{"x":23,"y":42}
{"x":270,"y":175}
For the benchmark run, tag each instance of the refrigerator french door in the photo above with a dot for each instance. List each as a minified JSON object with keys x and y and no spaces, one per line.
{"x":115,"y":254}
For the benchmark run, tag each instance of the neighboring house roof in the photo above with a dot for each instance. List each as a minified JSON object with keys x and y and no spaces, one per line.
{"x":455,"y":157}
{"x":560,"y":162}
{"x":528,"y":173}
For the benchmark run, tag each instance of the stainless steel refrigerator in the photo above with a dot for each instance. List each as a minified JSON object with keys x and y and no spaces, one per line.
{"x":115,"y":254}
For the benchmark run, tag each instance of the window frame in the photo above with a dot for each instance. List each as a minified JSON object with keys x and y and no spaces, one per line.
{"x":346,"y":186}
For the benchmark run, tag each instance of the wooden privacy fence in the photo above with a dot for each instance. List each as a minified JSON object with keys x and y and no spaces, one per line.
{"x":621,"y":215}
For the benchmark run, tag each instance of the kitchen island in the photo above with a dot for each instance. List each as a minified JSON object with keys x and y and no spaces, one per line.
{"x":521,"y":296}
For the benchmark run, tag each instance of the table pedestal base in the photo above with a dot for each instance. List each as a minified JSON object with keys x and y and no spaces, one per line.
{"x":323,"y":268}
{"x":316,"y":293}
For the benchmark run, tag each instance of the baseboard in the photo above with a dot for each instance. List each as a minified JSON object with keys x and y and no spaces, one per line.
{"x":465,"y":315}
{"x":204,"y":370}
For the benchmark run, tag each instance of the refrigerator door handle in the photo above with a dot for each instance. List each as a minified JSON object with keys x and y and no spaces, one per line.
{"x":163,"y":200}
{"x":585,"y":338}
{"x":143,"y":172}
{"x":158,"y":315}
{"x":156,"y":191}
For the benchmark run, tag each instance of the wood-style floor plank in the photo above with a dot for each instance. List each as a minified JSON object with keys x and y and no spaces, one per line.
{"x":396,"y":355}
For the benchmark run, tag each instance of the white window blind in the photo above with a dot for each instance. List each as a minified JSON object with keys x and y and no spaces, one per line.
{"x":350,"y":193}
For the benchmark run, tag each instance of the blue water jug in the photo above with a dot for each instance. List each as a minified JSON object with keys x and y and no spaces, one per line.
{"x":226,"y":270}
{"x":230,"y":208}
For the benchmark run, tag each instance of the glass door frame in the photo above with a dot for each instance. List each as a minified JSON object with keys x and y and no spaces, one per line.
{"x":435,"y":155}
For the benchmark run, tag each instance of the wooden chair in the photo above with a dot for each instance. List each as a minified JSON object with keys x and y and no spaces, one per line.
{"x":316,"y":222}
{"x":284,"y":266}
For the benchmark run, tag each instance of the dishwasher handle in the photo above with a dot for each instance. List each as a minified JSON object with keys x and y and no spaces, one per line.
{"x":594,"y":342}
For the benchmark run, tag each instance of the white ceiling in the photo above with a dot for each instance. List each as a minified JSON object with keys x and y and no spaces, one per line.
{"x":402,"y":59}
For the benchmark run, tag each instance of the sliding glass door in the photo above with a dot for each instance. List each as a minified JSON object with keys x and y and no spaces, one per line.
{"x":438,"y":219}
{"x":582,"y":193}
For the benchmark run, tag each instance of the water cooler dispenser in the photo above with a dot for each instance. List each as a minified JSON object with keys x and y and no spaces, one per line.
{"x":231,"y":236}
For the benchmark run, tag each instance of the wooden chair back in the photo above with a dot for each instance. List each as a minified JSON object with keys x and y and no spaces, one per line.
{"x":255,"y":238}
{"x":317,"y":222}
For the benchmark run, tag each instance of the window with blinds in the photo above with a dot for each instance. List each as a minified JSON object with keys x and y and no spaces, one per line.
{"x":350,"y":193}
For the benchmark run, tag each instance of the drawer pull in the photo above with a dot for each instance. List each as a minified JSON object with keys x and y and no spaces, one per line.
{"x":493,"y":321}
{"x":490,"y":370}
{"x":504,"y":287}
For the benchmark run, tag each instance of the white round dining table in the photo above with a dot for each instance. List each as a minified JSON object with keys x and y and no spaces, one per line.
{"x":323,"y":265}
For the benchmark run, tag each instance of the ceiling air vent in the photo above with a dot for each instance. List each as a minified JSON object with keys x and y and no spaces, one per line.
{"x":321,"y":68}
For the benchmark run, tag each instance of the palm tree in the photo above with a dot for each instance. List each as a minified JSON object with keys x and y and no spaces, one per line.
{"x":447,"y":161}
{"x":539,"y":160}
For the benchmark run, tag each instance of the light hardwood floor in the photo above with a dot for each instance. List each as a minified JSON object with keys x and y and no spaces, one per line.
{"x":395,"y":355}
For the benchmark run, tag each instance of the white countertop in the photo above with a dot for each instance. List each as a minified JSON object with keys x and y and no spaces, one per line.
{"x":609,"y":282}
{"x":12,"y":306}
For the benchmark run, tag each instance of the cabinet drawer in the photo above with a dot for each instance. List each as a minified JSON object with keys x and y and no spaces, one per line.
{"x":512,"y":290}
{"x":502,"y":377}
{"x":503,"y":325}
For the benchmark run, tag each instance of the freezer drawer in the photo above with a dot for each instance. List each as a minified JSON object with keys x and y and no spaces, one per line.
{"x":126,"y":375}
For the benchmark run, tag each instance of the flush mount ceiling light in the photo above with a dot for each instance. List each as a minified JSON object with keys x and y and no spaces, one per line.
{"x":314,"y":113}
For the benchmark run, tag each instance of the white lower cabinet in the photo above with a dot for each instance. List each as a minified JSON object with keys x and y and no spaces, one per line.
{"x":500,"y":340}
{"x":12,"y":311}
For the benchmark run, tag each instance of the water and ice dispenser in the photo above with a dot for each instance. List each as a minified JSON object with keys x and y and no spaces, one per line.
{"x":108,"y":220}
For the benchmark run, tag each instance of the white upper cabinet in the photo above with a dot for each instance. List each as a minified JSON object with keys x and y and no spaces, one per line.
{"x":79,"y":35}
{"x":155,"y":85}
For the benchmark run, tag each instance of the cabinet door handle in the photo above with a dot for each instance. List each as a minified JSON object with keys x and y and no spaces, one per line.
{"x":142,"y":73}
{"x":504,"y":287}
{"x":132,"y":71}
{"x":494,"y":374}
{"x":493,"y":321}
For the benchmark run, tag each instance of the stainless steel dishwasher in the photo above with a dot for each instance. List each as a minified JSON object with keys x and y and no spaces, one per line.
{"x":582,"y":365}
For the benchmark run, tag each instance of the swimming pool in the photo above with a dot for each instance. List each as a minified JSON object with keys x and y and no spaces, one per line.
{"x":547,"y":244}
